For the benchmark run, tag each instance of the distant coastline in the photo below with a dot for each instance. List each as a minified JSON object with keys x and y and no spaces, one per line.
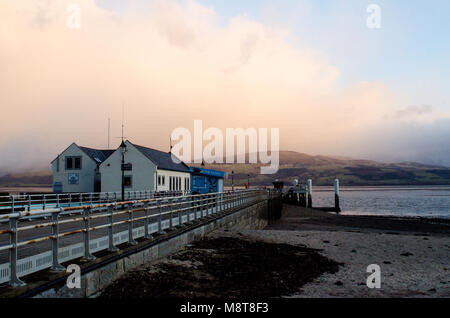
{"x":293,"y":165}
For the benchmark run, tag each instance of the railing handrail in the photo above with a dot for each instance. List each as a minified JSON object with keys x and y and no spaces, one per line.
{"x":41,"y":201}
{"x":20,"y":214}
{"x":174,"y":205}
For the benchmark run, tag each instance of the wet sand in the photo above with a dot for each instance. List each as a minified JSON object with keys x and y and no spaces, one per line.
{"x":307,"y":253}
{"x":413,"y":254}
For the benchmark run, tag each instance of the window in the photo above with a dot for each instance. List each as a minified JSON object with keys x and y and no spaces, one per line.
{"x":159,"y":180}
{"x":163,"y":180}
{"x":170,"y":183}
{"x":78,"y":163}
{"x":128,"y":181}
{"x":69,"y":164}
{"x":73,"y":163}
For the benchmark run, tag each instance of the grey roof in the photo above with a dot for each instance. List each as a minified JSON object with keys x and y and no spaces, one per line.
{"x":163,"y":159}
{"x":97,"y":155}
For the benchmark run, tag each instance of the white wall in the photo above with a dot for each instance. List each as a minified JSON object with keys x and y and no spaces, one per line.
{"x":143,"y":173}
{"x":167,"y":174}
{"x":86,"y":175}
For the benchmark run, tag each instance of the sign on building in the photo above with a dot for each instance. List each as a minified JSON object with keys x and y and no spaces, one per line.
{"x":74,"y":178}
{"x":127,"y":167}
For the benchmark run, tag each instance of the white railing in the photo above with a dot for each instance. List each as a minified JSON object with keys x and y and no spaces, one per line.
{"x":29,"y":202}
{"x":156,"y":214}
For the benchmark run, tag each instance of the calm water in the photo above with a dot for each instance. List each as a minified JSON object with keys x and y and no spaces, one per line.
{"x":424,"y":201}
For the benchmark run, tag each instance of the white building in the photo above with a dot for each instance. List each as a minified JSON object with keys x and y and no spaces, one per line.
{"x":76,"y":169}
{"x":146,"y":169}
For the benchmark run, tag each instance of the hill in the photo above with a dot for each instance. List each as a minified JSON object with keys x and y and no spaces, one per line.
{"x":294,"y":165}
{"x":351,"y":172}
{"x":34,"y":178}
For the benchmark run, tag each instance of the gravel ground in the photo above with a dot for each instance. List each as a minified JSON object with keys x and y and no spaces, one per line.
{"x":411,"y":266}
{"x":413,"y":254}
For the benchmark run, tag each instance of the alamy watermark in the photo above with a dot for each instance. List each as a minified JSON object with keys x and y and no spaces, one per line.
{"x":73,"y":20}
{"x":374,"y":279}
{"x":74,"y":279}
{"x":374,"y":18}
{"x":213,"y":152}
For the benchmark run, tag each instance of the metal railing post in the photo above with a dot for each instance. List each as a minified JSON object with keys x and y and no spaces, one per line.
{"x":170,"y":214}
{"x":29,"y":203}
{"x":55,"y":243}
{"x":14,"y":280}
{"x":189,"y":203}
{"x":146,"y":223}
{"x":131,"y":240}
{"x":87,"y":254}
{"x":180,"y":216}
{"x":160,"y":230}
{"x":204,"y":198}
{"x":217,"y":202}
{"x":194,"y":203}
{"x":112,"y":247}
{"x":210,"y":205}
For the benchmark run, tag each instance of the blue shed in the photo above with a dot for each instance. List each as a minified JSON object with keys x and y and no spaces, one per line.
{"x":206,"y":180}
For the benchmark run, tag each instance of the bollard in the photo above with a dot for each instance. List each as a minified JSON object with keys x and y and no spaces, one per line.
{"x":310,"y":193}
{"x":336,"y":196}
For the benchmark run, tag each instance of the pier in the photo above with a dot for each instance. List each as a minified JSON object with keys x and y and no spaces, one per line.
{"x":117,"y":236}
{"x":302,"y":195}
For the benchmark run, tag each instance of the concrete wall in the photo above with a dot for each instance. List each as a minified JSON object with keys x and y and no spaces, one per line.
{"x":143,"y":173}
{"x":85,"y":176}
{"x":256,"y":216}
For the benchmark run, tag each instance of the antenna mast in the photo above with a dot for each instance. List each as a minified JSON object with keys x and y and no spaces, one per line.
{"x":123,"y":112}
{"x":109,"y":128}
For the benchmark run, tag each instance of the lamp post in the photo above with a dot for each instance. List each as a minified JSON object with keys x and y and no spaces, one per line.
{"x":123,"y":147}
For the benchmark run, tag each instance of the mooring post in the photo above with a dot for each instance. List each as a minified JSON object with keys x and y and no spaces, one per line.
{"x":336,"y":196}
{"x":310,"y":193}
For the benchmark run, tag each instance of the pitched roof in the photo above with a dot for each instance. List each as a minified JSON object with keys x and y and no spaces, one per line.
{"x":162,"y":159}
{"x":97,"y":155}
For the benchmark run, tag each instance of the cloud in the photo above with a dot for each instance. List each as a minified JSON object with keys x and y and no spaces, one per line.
{"x":413,"y":110}
{"x":169,"y":63}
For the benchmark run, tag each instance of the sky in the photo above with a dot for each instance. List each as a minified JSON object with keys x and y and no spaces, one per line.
{"x":312,"y":68}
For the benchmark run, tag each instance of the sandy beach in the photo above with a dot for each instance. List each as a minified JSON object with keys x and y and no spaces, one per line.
{"x":331,"y":252}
